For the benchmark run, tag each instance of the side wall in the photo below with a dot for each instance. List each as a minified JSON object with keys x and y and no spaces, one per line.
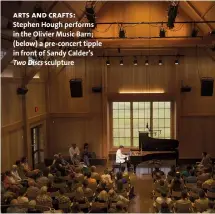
{"x":13,"y":145}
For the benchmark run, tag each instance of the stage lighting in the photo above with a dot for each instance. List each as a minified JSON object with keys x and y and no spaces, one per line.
{"x":172,"y":13}
{"x":160,"y":62}
{"x":146,"y":62}
{"x":121,"y":33}
{"x":121,"y":62}
{"x":107,"y":62}
{"x":162,"y":33}
{"x":194,"y":32}
{"x":176,"y":62}
{"x":135,"y":61}
{"x":90,"y":13}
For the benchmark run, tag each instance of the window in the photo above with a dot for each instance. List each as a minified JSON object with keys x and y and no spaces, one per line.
{"x":131,"y":117}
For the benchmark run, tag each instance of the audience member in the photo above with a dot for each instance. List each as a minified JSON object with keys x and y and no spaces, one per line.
{"x":13,"y":208}
{"x":32,"y":207}
{"x":211,"y":207}
{"x":86,"y":154}
{"x":201,"y":204}
{"x":177,"y":183}
{"x":44,"y":199}
{"x":191,"y":178}
{"x":184,"y":204}
{"x":32,"y":190}
{"x":163,"y":199}
{"x":172,"y":171}
{"x":15,"y":173}
{"x":95,"y":174}
{"x":74,"y":153}
{"x":62,"y":198}
{"x":22,"y":199}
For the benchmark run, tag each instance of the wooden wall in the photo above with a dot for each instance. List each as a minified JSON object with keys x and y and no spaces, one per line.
{"x":79,"y":120}
{"x":75,"y":120}
{"x":13,"y":145}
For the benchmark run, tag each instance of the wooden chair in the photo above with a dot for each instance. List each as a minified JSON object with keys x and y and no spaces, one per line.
{"x":66,"y":207}
{"x":183,"y":208}
{"x":211,"y":195}
{"x":200,"y":207}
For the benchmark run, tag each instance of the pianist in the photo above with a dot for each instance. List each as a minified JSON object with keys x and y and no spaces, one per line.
{"x":121,"y":158}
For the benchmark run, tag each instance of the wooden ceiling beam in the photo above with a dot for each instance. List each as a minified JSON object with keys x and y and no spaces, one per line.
{"x":194,"y":14}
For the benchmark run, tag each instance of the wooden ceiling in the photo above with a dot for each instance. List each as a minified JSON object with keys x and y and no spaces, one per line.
{"x":127,"y":11}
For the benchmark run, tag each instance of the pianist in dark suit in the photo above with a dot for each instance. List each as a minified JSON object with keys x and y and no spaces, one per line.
{"x":121,"y":158}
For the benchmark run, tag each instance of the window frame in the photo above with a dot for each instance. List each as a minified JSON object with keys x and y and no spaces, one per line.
{"x":172,"y":119}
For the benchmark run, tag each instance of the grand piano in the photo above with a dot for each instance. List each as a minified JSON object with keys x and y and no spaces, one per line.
{"x":154,"y":149}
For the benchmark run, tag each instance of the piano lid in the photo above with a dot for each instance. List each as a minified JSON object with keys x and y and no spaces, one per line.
{"x":147,"y":143}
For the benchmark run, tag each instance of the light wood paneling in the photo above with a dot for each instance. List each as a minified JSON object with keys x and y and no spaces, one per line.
{"x":197,"y":135}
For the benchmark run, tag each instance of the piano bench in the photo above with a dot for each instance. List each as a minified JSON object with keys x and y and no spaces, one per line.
{"x":118,"y":166}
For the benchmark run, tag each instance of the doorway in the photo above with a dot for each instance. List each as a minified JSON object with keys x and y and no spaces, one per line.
{"x":37,"y":143}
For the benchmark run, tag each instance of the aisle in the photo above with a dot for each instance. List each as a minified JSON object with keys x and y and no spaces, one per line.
{"x":142,"y":203}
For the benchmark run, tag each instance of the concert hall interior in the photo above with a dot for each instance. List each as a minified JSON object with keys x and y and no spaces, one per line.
{"x":149,"y":88}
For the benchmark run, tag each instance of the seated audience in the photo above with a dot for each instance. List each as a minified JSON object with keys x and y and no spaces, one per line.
{"x":32,"y":190}
{"x":9,"y":182}
{"x":15,"y":173}
{"x":172,"y":171}
{"x":22,"y":199}
{"x":209,"y":183}
{"x":20,"y":170}
{"x":163,"y":199}
{"x":78,"y":175}
{"x":165,"y":208}
{"x":106,"y":177}
{"x":86,"y":154}
{"x":102,"y":197}
{"x":43,"y":198}
{"x":42,"y":179}
{"x":62,"y":198}
{"x":204,"y":176}
{"x":76,"y":208}
{"x":177,"y":183}
{"x":205,"y":162}
{"x":92,"y":184}
{"x":27,"y":170}
{"x":95,"y":174}
{"x":79,"y":196}
{"x":161,"y":186}
{"x":156,"y":171}
{"x":211,"y":207}
{"x":74,"y":153}
{"x":55,"y":158}
{"x":186,"y":172}
{"x":183,"y":205}
{"x":32,"y":207}
{"x":114,"y":197}
{"x":201,"y":204}
{"x":87,"y":191}
{"x":14,"y":208}
{"x":191,"y":178}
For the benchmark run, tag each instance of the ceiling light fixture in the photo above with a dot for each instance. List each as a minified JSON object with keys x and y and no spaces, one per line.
{"x":108,"y":62}
{"x":146,"y":62}
{"x":121,"y":32}
{"x":121,"y":61}
{"x":135,"y":60}
{"x":160,"y":62}
{"x":162,"y":33}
